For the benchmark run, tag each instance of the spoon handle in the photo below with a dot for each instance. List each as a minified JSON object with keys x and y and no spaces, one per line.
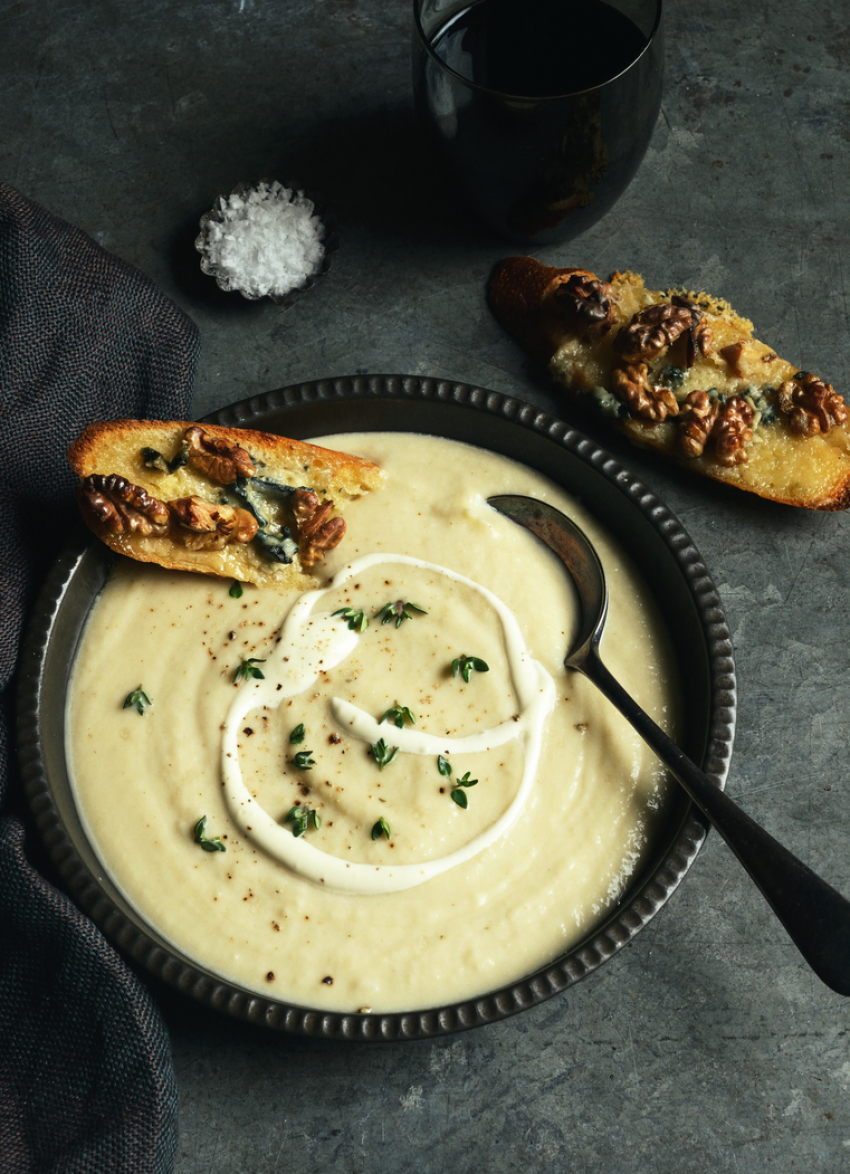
{"x":816,"y":917}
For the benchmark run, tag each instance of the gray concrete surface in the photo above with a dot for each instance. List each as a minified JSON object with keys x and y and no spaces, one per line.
{"x":706,"y":1045}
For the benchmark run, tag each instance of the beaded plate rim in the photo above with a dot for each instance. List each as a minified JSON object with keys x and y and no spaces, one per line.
{"x":409,"y":399}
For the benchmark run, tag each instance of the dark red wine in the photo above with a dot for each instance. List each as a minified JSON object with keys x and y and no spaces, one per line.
{"x":539,"y":48}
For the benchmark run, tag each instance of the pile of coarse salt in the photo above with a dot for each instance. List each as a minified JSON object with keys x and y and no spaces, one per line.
{"x":263,"y":241}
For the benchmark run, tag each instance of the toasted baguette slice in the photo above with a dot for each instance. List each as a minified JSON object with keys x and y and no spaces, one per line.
{"x":770,"y":429}
{"x":122,"y":447}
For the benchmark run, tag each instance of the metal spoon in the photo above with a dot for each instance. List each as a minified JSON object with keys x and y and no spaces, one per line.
{"x":816,"y":916}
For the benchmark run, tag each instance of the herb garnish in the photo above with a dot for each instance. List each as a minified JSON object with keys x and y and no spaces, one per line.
{"x":460,"y":796}
{"x":236,"y":590}
{"x":137,"y":700}
{"x":209,"y":844}
{"x":298,"y":735}
{"x":382,"y":753}
{"x":300,"y":818}
{"x":248,"y":668}
{"x":444,"y":766}
{"x":465,"y":664}
{"x":381,"y":828}
{"x":357,"y":620}
{"x":303,"y":760}
{"x":398,"y":715}
{"x":399,"y":611}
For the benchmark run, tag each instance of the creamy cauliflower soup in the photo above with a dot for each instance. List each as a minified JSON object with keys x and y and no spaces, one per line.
{"x":386,"y":793}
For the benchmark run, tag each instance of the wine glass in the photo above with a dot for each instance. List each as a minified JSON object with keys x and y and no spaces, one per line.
{"x":541,"y":110}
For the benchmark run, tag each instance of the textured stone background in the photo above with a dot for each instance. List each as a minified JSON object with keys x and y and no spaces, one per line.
{"x":707,"y":1045}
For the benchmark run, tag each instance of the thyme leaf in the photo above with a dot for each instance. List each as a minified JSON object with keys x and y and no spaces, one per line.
{"x":444,"y":766}
{"x":247,"y":669}
{"x":303,"y":760}
{"x":357,"y":620}
{"x":301,"y":818}
{"x":465,"y":664}
{"x":298,"y":734}
{"x":381,"y":828}
{"x":458,"y":794}
{"x":236,"y":590}
{"x":399,"y":611}
{"x":137,"y":700}
{"x":382,"y":754}
{"x":398,"y":715}
{"x":208,"y":843}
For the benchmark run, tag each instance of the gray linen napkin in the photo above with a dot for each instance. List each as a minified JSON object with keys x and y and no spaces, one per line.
{"x":86,"y":1080}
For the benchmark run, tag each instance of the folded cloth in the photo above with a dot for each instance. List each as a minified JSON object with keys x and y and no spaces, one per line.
{"x":86,"y":1079}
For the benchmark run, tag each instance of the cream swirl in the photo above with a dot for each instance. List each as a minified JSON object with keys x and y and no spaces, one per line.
{"x":314,"y":642}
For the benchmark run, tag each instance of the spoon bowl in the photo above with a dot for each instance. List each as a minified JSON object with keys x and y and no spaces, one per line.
{"x":815,"y":915}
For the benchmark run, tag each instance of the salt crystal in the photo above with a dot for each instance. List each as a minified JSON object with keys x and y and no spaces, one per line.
{"x":265,"y":241}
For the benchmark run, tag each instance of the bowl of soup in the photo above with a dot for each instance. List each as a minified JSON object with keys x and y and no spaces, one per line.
{"x":383,"y":809}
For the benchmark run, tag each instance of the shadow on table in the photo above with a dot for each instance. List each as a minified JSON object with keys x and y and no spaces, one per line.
{"x":191,"y":1023}
{"x":372,"y":172}
{"x":377,"y":171}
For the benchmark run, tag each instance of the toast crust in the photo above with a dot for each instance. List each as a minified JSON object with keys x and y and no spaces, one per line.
{"x":776,"y":462}
{"x":116,"y":447}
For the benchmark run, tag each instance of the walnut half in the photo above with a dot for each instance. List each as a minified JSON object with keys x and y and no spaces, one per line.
{"x":586,"y":303}
{"x":732,"y":432}
{"x":112,"y":503}
{"x":219,"y":460}
{"x":203,"y":525}
{"x":699,"y":417}
{"x":811,"y":405}
{"x":726,"y":423}
{"x":630,"y":383}
{"x":317,"y":531}
{"x":651,"y":331}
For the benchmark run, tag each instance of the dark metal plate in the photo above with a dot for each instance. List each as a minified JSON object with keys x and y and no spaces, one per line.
{"x":653,"y":537}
